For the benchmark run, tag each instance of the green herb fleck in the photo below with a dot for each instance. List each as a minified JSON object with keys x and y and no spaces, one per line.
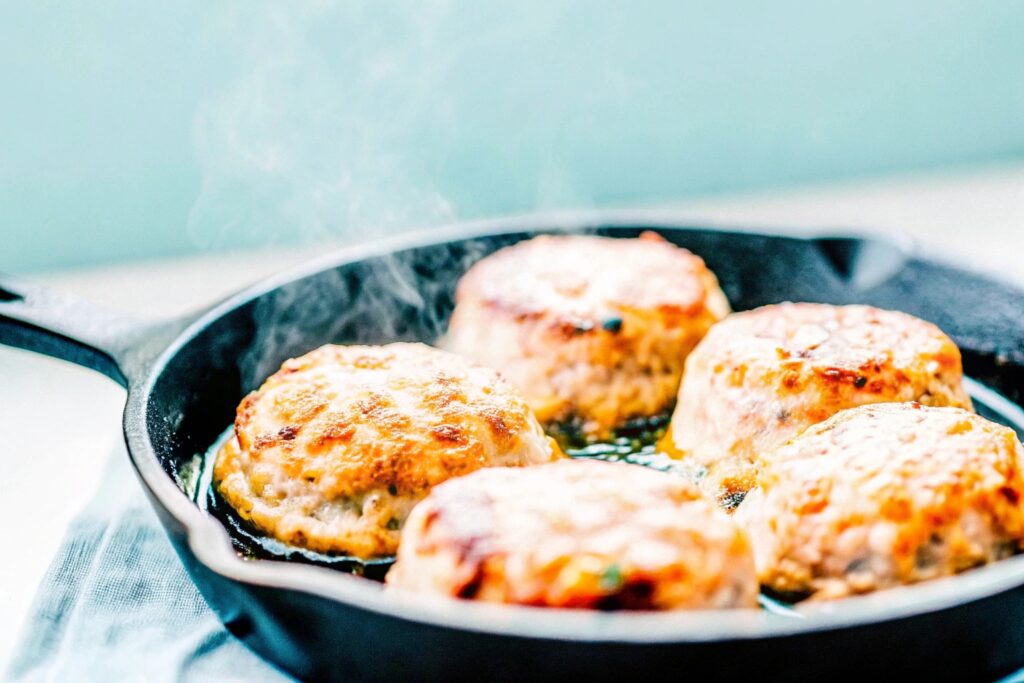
{"x":393,"y":524}
{"x":611,"y":578}
{"x":392,"y":489}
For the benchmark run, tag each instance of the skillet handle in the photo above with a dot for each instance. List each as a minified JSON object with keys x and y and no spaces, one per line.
{"x":36,"y":319}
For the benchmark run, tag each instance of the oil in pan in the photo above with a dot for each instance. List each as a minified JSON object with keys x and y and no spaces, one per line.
{"x":253,"y":545}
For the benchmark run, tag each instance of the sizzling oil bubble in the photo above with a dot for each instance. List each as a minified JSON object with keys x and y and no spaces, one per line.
{"x":635,"y":443}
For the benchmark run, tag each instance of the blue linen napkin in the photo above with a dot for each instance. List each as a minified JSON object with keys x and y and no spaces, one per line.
{"x":117,"y":605}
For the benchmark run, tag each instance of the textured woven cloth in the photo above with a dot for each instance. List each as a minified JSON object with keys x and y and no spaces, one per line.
{"x":116,"y":604}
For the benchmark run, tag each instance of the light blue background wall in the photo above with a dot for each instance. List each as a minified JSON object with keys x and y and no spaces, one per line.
{"x":134,"y":129}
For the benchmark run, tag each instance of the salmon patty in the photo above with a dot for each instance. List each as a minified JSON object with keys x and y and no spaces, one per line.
{"x":333,"y":451}
{"x":761,"y":377}
{"x":884,"y":495}
{"x":593,"y":330}
{"x":580,"y":534}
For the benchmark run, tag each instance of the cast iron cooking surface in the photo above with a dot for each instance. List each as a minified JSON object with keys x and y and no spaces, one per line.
{"x":407,"y":295}
{"x":321,"y":624}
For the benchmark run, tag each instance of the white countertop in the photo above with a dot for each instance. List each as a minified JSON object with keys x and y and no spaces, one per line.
{"x":59,"y":423}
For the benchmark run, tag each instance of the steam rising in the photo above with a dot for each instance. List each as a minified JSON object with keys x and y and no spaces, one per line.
{"x":406,"y":296}
{"x":356,"y":119}
{"x":341,"y":125}
{"x":314,"y":139}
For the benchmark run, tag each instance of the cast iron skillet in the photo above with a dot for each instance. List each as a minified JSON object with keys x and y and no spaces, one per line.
{"x":185,"y":379}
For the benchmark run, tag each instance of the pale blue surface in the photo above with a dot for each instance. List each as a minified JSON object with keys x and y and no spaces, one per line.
{"x":138,"y":129}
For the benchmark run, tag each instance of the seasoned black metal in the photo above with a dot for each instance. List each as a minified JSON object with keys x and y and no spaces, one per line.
{"x":184,"y":385}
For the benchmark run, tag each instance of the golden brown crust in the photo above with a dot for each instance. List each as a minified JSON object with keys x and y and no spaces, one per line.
{"x":335,"y":448}
{"x":883,"y":495}
{"x":593,"y":330}
{"x":582,"y":534}
{"x":761,"y":377}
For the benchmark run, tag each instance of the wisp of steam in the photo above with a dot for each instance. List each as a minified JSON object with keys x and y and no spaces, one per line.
{"x":351,"y":120}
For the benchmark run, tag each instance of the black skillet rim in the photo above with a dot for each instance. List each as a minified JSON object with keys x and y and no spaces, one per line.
{"x":210,"y":543}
